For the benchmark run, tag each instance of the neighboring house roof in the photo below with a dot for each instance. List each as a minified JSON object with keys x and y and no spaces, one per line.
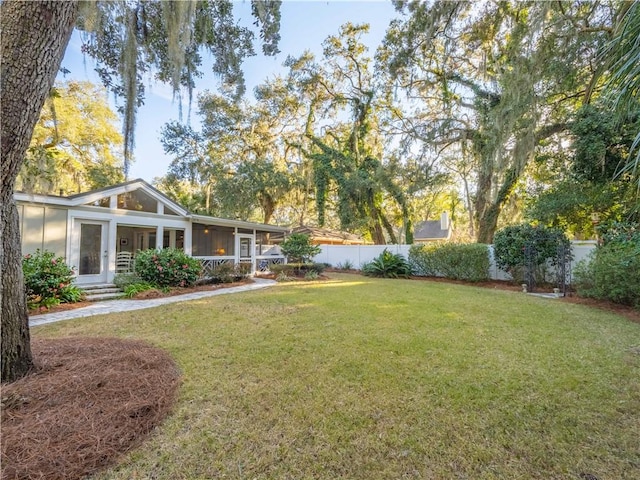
{"x":325,"y":235}
{"x":93,"y":197}
{"x":431,"y":230}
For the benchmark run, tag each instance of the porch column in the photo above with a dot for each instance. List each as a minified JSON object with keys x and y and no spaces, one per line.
{"x":188,"y":244}
{"x":159,"y":237}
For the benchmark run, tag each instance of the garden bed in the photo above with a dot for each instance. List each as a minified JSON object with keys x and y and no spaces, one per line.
{"x":148,"y":294}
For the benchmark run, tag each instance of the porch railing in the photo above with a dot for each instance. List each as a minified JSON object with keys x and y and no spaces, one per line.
{"x":263,"y":263}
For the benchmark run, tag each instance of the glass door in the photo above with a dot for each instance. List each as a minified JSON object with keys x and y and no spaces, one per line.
{"x":93,"y":253}
{"x":245,"y":249}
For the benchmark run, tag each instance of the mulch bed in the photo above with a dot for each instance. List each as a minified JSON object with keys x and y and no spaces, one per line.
{"x":622,"y":310}
{"x":145,"y":295}
{"x":628,"y":312}
{"x":88,"y":401}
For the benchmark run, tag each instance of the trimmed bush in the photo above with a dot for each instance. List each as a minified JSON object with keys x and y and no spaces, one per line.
{"x":510,"y":243}
{"x":611,"y":273}
{"x":468,"y":262}
{"x":48,"y":280}
{"x":169,"y":267}
{"x":387,"y":265}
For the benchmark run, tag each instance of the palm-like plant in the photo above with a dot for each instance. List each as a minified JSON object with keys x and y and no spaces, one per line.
{"x":623,"y":57}
{"x":388,"y":265}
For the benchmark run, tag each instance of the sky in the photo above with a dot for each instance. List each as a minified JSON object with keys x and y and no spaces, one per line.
{"x":304,"y":25}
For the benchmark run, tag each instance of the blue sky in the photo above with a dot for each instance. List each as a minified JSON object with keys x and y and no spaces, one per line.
{"x":304,"y":25}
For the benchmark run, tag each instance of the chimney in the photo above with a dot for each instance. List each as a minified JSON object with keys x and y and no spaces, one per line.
{"x":444,"y":221}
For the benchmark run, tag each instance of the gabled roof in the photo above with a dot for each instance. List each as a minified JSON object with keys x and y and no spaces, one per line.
{"x":431,"y":230}
{"x":327,"y":235}
{"x":101,"y":193}
{"x":89,"y":198}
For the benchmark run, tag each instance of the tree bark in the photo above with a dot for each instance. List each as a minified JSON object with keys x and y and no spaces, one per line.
{"x":34,"y":38}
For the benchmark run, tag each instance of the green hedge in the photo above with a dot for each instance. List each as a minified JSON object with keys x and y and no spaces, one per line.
{"x":451,"y":260}
{"x":612,"y":273}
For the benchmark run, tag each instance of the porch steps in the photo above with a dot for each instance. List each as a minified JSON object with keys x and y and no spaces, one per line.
{"x":104,"y":291}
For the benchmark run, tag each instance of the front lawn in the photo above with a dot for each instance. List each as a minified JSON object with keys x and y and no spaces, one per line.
{"x":363,"y":378}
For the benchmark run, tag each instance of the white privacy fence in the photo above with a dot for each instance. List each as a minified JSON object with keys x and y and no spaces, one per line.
{"x":358,"y":255}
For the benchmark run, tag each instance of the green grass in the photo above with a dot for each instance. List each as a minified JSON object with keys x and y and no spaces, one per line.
{"x":364,"y":378}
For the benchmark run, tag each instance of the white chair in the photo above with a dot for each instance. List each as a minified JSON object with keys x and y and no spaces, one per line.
{"x":124,"y":262}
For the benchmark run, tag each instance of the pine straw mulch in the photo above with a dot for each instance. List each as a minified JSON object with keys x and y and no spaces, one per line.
{"x":88,"y":401}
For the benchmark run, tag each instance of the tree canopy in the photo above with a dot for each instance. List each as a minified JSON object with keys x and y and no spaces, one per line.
{"x":76,"y":145}
{"x":488,"y":81}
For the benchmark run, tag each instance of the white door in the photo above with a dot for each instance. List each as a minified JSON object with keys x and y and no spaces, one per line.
{"x":92,"y":251}
{"x":245,"y":248}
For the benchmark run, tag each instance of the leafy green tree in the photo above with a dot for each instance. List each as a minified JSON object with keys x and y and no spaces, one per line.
{"x":76,"y":145}
{"x":483,"y":79}
{"x":298,"y":248}
{"x":622,"y":57}
{"x":237,"y":163}
{"x":584,"y":183}
{"x":353,"y":171}
{"x":126,"y":38}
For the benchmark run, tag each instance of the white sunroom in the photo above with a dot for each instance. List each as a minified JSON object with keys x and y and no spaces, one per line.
{"x":94,"y":231}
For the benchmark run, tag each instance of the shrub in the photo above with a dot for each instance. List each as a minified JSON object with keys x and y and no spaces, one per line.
{"x":457,"y":261}
{"x":620,"y":232}
{"x":169,"y":267}
{"x":299,"y":269}
{"x":123,"y":280}
{"x":132,"y":289}
{"x":346,"y":265}
{"x":510,"y":243}
{"x":48,"y":280}
{"x":227,"y":272}
{"x":612,"y":273}
{"x":297,"y":248}
{"x":311,"y":275}
{"x":388,"y":265}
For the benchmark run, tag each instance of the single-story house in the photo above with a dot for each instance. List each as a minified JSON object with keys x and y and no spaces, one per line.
{"x":433,"y":230}
{"x":94,"y":230}
{"x":325,"y":236}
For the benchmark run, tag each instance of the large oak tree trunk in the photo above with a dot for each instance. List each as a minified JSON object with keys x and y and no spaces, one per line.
{"x":34,"y":37}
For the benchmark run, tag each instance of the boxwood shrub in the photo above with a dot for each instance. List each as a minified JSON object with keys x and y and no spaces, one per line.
{"x":451,"y":260}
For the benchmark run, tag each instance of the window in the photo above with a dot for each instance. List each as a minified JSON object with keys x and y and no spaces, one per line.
{"x":137,"y":200}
